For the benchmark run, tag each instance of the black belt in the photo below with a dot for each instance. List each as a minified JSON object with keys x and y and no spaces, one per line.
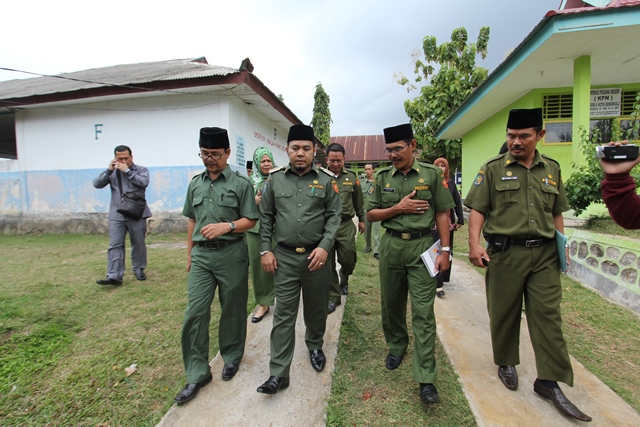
{"x":297,"y":249}
{"x":530,"y":243}
{"x":346,"y":218}
{"x":217,"y":244}
{"x":409,"y":236}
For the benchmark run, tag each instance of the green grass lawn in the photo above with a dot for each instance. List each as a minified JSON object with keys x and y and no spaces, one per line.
{"x":65,"y":341}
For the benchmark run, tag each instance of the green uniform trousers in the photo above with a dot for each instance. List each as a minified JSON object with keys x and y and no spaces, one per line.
{"x":292,"y":276}
{"x":403,"y":273}
{"x":261,"y":281}
{"x":345,"y":247}
{"x":531,"y":273}
{"x":226,"y":269}
{"x":372,"y":229}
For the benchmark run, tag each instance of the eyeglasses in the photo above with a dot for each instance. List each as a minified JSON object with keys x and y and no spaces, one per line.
{"x":214,"y":156}
{"x":335,"y":161}
{"x":395,"y":150}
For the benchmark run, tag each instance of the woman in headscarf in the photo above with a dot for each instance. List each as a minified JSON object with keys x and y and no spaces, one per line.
{"x":456,"y":219}
{"x":262,"y":281}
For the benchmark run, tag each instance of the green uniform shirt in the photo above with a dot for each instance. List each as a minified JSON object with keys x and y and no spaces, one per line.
{"x":350,"y":194}
{"x":299,"y":210}
{"x":260,"y":187}
{"x":392,"y":186}
{"x":367,"y":187}
{"x":517,"y":201}
{"x":228,"y":198}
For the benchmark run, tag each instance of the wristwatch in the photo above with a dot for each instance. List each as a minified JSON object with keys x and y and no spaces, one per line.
{"x":232,"y":226}
{"x":264,"y":252}
{"x":446,"y":249}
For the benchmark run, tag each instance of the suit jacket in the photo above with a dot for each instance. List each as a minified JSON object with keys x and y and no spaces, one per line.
{"x":134,"y":181}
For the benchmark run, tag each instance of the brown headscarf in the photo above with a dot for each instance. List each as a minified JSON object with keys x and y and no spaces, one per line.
{"x":442,"y":161}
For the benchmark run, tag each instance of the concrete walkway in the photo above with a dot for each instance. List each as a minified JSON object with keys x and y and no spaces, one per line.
{"x":463,"y":328}
{"x":236,"y":402}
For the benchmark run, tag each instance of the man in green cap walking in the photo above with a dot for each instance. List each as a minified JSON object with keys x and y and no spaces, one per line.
{"x":519,"y":198}
{"x":352,"y":205}
{"x":300,"y":209}
{"x":410,"y":199}
{"x":220,"y":207}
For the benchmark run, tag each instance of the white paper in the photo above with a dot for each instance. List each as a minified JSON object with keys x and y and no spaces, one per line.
{"x":429,"y":257}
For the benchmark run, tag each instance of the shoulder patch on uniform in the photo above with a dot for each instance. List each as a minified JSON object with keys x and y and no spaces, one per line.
{"x":279,"y":168}
{"x":327,"y":171}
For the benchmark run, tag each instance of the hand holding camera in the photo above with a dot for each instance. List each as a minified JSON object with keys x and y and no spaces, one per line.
{"x":617,"y":157}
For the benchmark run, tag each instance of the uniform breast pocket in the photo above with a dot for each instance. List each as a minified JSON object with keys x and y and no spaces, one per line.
{"x":198,"y":206}
{"x":228,"y":207}
{"x":423,"y":195}
{"x":283,"y":200}
{"x":317,"y":196}
{"x":508,"y":193}
{"x":549,"y":195}
{"x":390,"y":199}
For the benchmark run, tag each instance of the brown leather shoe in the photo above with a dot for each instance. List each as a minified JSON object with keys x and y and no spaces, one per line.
{"x":508,"y":376}
{"x":560,"y":401}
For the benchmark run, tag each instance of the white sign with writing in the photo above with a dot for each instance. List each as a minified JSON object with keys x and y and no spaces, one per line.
{"x":605,"y":102}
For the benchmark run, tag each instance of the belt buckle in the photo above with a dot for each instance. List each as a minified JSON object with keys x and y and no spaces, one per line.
{"x":534,"y":243}
{"x":300,"y":250}
{"x":405,"y":236}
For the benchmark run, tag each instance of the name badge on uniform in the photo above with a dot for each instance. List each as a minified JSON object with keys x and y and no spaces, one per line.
{"x":509,"y":178}
{"x":347,"y":183}
{"x":389,"y":190}
{"x":421,"y":187}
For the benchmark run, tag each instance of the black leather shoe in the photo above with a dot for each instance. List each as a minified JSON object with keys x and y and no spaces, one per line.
{"x":140,"y":275}
{"x":344,"y":290}
{"x":317,"y":359}
{"x":560,"y":401}
{"x":256,"y":319}
{"x":508,"y":376}
{"x":273,"y":384}
{"x":190,"y":390}
{"x":376,"y":256}
{"x":429,"y":394}
{"x":393,"y":361}
{"x":229,"y":371}
{"x":107,"y":281}
{"x":440,"y":293}
{"x":332,"y":307}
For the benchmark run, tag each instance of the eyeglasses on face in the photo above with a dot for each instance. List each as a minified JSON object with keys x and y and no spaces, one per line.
{"x":395,"y":150}
{"x":213,"y":156}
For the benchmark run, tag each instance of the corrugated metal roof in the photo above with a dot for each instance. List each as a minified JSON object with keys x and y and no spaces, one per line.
{"x":116,"y":75}
{"x":361,"y":148}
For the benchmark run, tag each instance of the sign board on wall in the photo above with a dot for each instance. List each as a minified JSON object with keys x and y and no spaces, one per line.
{"x":605,"y":102}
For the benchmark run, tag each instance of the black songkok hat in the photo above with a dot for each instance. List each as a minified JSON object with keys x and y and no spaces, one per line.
{"x":249,"y":164}
{"x":300,"y":133}
{"x":398,"y":133}
{"x":524,"y":119}
{"x":214,"y":138}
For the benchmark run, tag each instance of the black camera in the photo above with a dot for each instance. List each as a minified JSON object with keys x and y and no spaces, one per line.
{"x":618,"y":153}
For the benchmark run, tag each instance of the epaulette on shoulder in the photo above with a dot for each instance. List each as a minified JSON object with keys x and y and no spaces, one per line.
{"x":327,"y":171}
{"x":243,"y":176}
{"x":198,"y":175}
{"x":384,"y":169}
{"x":498,"y":157}
{"x":279,"y":168}
{"x":429,"y":165}
{"x":549,"y":158}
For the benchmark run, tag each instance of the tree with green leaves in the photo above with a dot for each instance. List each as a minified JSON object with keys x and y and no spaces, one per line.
{"x":446,"y":75}
{"x":321,"y":120}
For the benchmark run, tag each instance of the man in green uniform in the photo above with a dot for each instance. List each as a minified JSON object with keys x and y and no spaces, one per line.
{"x":220,"y":207}
{"x":300,"y":209}
{"x":352,"y":204}
{"x":371,"y":229}
{"x":410,"y":199}
{"x":519,"y":198}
